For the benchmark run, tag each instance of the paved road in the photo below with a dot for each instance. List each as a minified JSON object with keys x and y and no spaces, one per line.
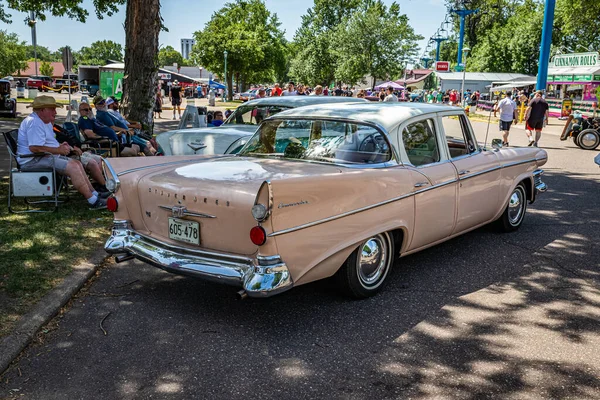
{"x":486,"y":315}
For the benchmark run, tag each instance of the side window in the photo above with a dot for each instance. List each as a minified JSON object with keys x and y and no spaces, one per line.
{"x":421,"y":143}
{"x":458,"y":136}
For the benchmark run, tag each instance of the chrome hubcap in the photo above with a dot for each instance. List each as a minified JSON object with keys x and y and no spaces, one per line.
{"x":372,"y":261}
{"x":515,"y":207}
{"x":588,"y":140}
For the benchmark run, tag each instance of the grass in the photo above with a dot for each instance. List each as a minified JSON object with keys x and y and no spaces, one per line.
{"x":37,"y":250}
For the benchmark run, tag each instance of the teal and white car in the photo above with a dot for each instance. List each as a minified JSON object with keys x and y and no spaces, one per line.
{"x":230,"y":137}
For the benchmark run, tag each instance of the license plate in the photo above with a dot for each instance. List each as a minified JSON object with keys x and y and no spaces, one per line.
{"x":184,"y":231}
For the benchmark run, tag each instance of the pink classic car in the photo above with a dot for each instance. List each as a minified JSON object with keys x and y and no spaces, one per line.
{"x":338,"y":190}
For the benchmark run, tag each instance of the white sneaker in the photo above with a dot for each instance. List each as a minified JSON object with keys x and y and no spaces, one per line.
{"x":173,"y":117}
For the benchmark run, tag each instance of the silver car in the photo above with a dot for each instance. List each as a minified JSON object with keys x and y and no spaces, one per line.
{"x":233,"y":134}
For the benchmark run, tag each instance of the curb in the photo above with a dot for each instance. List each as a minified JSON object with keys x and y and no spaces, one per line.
{"x":46,"y":308}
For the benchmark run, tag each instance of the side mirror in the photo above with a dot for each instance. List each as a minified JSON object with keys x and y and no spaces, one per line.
{"x":497,"y":143}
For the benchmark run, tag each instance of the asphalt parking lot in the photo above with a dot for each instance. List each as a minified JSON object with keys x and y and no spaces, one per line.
{"x":485,"y":315}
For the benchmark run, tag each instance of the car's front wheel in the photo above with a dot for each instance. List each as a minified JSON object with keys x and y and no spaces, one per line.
{"x":514,"y":213}
{"x":588,"y":139}
{"x":364,"y":272}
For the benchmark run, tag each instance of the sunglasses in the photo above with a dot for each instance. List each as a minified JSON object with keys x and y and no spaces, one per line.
{"x":85,"y":109}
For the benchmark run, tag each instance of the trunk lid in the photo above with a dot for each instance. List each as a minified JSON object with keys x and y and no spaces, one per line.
{"x":223,"y":188}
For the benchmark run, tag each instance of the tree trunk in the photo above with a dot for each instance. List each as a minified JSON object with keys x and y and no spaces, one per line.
{"x":142,"y":26}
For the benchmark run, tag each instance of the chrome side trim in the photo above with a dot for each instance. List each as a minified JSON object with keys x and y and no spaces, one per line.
{"x":342,"y":215}
{"x":189,"y":213}
{"x":128,"y":171}
{"x":257,"y":279}
{"x":512,"y":164}
{"x":474,"y":174}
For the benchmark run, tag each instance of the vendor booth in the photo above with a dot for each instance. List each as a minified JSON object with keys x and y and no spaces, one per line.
{"x":576,"y":77}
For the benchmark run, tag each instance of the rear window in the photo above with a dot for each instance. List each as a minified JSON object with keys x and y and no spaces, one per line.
{"x":319,"y":140}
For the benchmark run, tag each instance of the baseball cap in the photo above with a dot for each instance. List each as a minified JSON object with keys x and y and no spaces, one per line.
{"x":109,"y":101}
{"x":98,"y":99}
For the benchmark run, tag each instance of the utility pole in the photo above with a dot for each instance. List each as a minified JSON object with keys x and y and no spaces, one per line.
{"x":438,"y":39}
{"x":426,"y":60}
{"x":462,"y":14}
{"x":542,"y":76}
{"x":31,"y":22}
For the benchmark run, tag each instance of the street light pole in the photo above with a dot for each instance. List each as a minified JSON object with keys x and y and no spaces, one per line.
{"x":462,"y":87}
{"x":225,"y":92}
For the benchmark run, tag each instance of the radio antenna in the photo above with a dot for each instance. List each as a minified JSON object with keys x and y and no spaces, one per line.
{"x":487,"y":131}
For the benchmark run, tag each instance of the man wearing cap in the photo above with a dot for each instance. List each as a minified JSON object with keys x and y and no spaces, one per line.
{"x":36,"y":136}
{"x":175,"y":95}
{"x":118,"y":126}
{"x":91,"y":126}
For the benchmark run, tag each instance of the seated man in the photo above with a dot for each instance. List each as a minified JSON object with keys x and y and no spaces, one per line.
{"x":117,"y":125}
{"x":217,"y":119}
{"x":91,"y":127}
{"x":112,"y":105}
{"x":37,"y":136}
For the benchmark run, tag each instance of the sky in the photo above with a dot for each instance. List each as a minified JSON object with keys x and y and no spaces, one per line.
{"x":184,"y":17}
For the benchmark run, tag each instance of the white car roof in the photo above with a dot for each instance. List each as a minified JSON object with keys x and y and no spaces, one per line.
{"x":385,"y":114}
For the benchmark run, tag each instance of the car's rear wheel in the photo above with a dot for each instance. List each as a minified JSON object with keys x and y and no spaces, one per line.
{"x":364,"y":272}
{"x":588,"y":139}
{"x":514,"y":213}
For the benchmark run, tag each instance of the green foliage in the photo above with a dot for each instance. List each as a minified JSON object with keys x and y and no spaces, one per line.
{"x":43,"y":54}
{"x":374,"y":40}
{"x":430,"y":82}
{"x":13,"y":53}
{"x":168,"y":55}
{"x":313,"y":60}
{"x":251,"y":36}
{"x":46,"y":68}
{"x":69,"y":8}
{"x":99,"y":52}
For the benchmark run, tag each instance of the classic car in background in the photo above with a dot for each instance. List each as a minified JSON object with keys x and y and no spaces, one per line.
{"x":336,"y":190}
{"x":8,"y":105}
{"x":238,"y":128}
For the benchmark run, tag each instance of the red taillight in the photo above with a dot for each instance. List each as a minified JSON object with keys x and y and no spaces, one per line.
{"x":258,"y":235}
{"x":112,"y":204}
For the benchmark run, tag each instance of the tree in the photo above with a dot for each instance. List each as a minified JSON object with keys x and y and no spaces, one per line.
{"x":168,"y":55}
{"x":12,"y":55}
{"x":142,"y":26}
{"x":251,"y":36}
{"x":46,"y":68}
{"x":141,"y":57}
{"x":313,"y":61}
{"x":362,"y":50}
{"x":43,"y":53}
{"x":99,"y":52}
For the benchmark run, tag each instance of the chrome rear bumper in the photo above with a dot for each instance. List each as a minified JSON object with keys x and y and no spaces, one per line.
{"x":259,"y":277}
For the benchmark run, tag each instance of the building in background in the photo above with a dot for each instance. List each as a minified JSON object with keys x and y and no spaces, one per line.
{"x":186,"y":47}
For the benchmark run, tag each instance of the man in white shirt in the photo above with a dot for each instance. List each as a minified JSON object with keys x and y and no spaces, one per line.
{"x":37,"y":136}
{"x":390,"y":95}
{"x":290,"y":90}
{"x":508,"y":113}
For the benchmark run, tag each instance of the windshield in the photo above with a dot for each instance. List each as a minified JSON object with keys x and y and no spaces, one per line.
{"x":318,"y":140}
{"x":253,"y":114}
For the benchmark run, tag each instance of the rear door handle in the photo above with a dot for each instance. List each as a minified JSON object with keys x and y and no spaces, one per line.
{"x":421,"y":184}
{"x":463,"y":172}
